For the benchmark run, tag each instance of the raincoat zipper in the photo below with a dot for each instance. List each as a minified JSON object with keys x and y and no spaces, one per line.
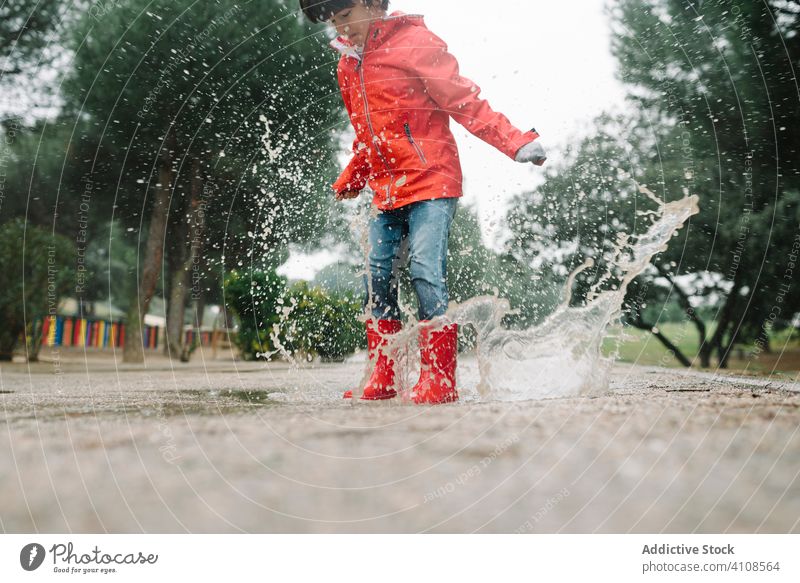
{"x":360,"y":69}
{"x":414,"y":143}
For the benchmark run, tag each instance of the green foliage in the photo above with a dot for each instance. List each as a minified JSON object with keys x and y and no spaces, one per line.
{"x":341,"y":277}
{"x":719,"y":74}
{"x":587,"y":200}
{"x":254,"y":298}
{"x":242,"y":87}
{"x":226,"y":104}
{"x":41,"y":173}
{"x":475,"y":270}
{"x":25,"y":26}
{"x":37,"y":271}
{"x":299,"y":321}
{"x":320,"y":323}
{"x":712,"y":111}
{"x":112,"y":262}
{"x":32,"y":35}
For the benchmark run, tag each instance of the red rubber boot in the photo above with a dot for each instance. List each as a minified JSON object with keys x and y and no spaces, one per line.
{"x":438,"y":355}
{"x":380,"y":385}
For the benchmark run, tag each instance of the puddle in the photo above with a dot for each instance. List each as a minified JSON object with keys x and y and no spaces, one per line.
{"x":211,"y":402}
{"x":181,"y":403}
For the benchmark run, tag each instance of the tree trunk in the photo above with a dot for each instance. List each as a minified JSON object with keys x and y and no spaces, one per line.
{"x":133,"y":351}
{"x":725,"y":319}
{"x":154,"y":253}
{"x":704,"y":353}
{"x":723,"y":358}
{"x":35,"y":344}
{"x":195,"y":217}
{"x":176,"y":308}
{"x":10,"y":332}
{"x":176,"y":301}
{"x":676,"y":352}
{"x":722,"y":362}
{"x":725,"y":354}
{"x":763,"y":339}
{"x":197,"y":310}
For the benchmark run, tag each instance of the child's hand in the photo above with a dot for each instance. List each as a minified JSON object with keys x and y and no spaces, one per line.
{"x":347,"y":194}
{"x":532,"y":152}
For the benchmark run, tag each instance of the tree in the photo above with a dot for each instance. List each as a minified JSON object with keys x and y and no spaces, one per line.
{"x":720,"y":73}
{"x":222,"y":106}
{"x":37,"y":268}
{"x":702,"y":120}
{"x":255,"y":298}
{"x":30,"y":50}
{"x":475,"y":270}
{"x":588,"y":202}
{"x":26,"y":26}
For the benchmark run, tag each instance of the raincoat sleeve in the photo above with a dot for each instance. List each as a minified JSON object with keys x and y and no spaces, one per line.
{"x":460,"y":97}
{"x":357,"y":172}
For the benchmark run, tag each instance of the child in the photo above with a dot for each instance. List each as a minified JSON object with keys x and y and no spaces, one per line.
{"x":401,"y":86}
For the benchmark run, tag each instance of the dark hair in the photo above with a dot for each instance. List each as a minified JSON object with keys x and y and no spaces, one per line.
{"x":322,"y":10}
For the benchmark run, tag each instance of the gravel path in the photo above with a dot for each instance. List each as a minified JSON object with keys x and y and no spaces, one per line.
{"x":239,"y":448}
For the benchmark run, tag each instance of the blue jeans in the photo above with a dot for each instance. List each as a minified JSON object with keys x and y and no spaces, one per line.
{"x":417,"y":232}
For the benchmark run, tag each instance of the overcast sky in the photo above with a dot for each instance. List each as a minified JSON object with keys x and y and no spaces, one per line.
{"x":543,"y":64}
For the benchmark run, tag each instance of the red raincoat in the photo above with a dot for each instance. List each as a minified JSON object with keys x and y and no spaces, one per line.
{"x":400,"y":95}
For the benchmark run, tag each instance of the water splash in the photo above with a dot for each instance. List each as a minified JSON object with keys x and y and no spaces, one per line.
{"x":559,"y":357}
{"x":562,"y":355}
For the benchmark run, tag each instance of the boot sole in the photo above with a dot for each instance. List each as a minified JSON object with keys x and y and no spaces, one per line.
{"x":386,"y":398}
{"x":444,"y":401}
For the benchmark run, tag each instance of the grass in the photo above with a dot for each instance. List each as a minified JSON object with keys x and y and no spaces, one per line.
{"x":641,"y":347}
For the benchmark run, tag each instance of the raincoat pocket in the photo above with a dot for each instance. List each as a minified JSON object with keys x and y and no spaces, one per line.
{"x":413,"y":142}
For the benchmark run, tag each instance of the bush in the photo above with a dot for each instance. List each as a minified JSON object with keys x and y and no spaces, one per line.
{"x":254,"y":298}
{"x":309,"y":322}
{"x":37,"y":267}
{"x":320,"y":323}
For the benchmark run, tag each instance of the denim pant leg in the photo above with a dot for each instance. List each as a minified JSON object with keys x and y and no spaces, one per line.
{"x":386,"y":232}
{"x":429,"y":224}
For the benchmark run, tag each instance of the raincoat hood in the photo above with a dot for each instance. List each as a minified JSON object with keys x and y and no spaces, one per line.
{"x":379,"y":31}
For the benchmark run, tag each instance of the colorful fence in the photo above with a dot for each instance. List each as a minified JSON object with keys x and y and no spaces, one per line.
{"x":191,"y":337}
{"x":65,"y":331}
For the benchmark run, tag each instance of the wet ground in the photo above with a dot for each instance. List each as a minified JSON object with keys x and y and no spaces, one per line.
{"x":233,"y":447}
